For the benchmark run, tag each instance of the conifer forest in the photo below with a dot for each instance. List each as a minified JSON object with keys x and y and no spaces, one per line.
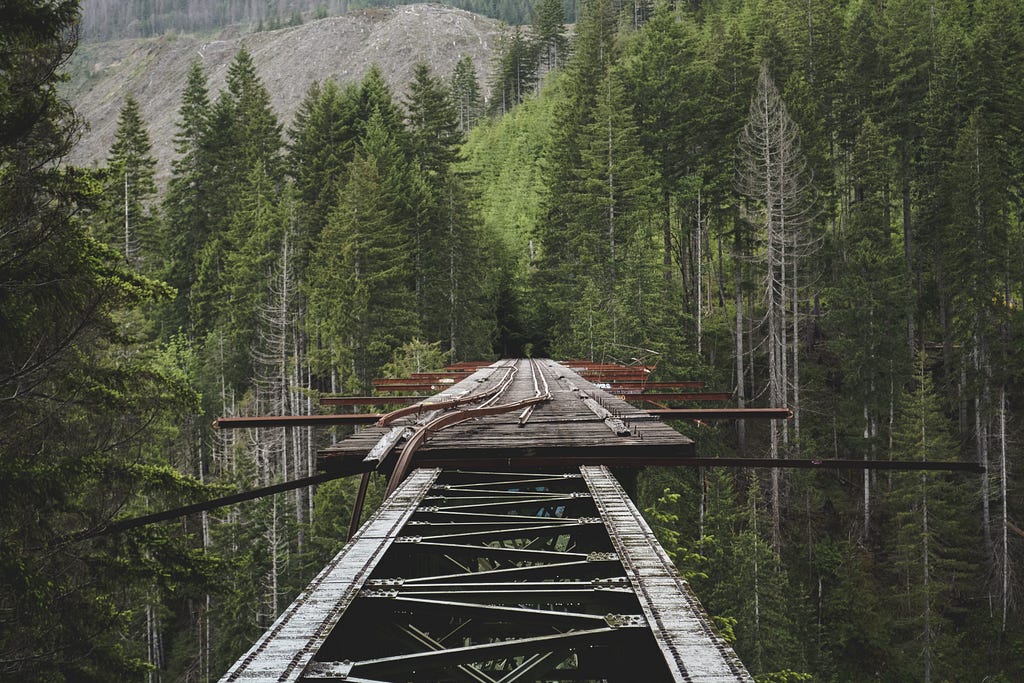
{"x":808,"y":203}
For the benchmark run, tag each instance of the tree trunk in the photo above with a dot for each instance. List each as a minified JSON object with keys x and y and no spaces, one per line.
{"x":700,"y":276}
{"x":927,"y":581}
{"x":741,"y":394}
{"x":1004,"y":564}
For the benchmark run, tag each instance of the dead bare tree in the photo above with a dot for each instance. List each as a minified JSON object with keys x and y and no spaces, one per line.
{"x":773,"y":174}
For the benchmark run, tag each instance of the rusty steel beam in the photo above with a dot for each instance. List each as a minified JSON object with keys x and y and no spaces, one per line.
{"x":446,"y":420}
{"x":266,"y":421}
{"x":543,"y":462}
{"x":369,"y":400}
{"x":448,"y":403}
{"x":644,"y":385}
{"x":174,"y":513}
{"x":409,"y":385}
{"x":438,"y":375}
{"x":650,"y":398}
{"x":405,"y":381}
{"x":722,"y":413}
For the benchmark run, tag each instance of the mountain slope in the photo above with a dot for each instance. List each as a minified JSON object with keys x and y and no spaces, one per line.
{"x":288,"y":60}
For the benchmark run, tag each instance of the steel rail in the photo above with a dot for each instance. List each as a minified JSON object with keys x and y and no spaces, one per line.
{"x":388,"y":418}
{"x":535,"y":370}
{"x":462,"y":415}
{"x":387,"y":443}
{"x":694,"y":396}
{"x":369,"y":400}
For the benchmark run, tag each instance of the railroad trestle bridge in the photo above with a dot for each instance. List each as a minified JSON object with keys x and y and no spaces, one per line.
{"x":506,"y":549}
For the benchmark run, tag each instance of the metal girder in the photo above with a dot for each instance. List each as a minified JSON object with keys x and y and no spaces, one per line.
{"x":265,"y":421}
{"x":497,"y":578}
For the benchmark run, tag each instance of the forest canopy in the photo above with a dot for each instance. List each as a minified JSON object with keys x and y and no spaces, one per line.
{"x":808,"y":204}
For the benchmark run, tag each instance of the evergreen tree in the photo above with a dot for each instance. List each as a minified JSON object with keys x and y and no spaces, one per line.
{"x":562,"y":256}
{"x":187,"y":217}
{"x":469,"y":103}
{"x":131,"y":189}
{"x":548,"y":32}
{"x":662,"y":68}
{"x":323,"y":138}
{"x":220,"y":150}
{"x":85,"y":397}
{"x":450,"y":284}
{"x":257,"y":129}
{"x":870,"y":303}
{"x":614,"y":184}
{"x":360,"y":267}
{"x":515,"y":72}
{"x":928,"y":547}
{"x":433,"y":125}
{"x":376,"y":95}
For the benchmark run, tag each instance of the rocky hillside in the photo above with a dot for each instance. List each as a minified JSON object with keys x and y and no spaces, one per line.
{"x":288,"y":60}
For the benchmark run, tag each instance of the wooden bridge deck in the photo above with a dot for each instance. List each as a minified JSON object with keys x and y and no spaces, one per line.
{"x":563,"y":431}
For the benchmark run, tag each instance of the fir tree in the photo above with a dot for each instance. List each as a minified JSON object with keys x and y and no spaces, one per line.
{"x":131,"y":188}
{"x":187,"y":217}
{"x":466,"y":93}
{"x":515,"y":72}
{"x":927,"y":544}
{"x":549,"y":33}
{"x":257,"y":129}
{"x":323,"y":138}
{"x":361,"y":301}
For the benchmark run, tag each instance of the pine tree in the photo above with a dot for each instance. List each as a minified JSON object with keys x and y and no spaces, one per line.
{"x":549,"y":33}
{"x":131,"y":189}
{"x":928,"y":543}
{"x":469,"y":103}
{"x":187,"y":218}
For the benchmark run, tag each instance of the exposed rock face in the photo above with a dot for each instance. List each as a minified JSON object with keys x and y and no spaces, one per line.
{"x":288,"y":60}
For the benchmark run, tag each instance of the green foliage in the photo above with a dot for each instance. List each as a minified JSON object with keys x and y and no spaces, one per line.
{"x":129,"y":221}
{"x":415,"y":356}
{"x":783,"y":676}
{"x":469,"y":100}
{"x":83,"y":387}
{"x":598,"y":217}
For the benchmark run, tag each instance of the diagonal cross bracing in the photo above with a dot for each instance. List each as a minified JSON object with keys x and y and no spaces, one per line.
{"x":553,"y":577}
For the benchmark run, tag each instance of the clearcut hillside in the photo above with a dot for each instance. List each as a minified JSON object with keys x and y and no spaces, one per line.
{"x":288,"y":61}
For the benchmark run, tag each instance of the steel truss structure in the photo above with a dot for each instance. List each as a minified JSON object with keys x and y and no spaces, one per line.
{"x":497,"y":577}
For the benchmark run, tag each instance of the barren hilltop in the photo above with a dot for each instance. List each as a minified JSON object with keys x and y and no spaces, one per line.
{"x":288,"y":60}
